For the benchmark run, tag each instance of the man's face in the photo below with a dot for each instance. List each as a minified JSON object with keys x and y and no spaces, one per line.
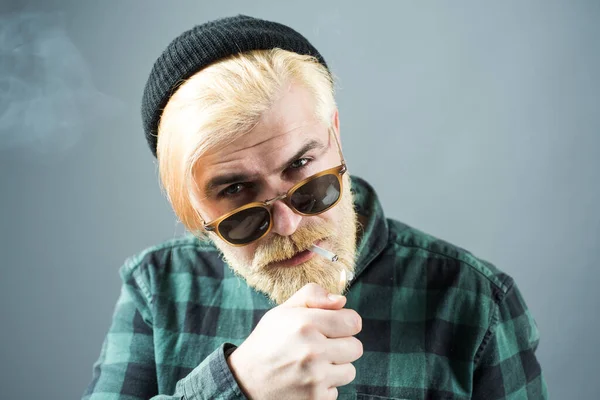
{"x":289,"y":144}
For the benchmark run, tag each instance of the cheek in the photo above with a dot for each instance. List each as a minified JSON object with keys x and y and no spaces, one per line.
{"x":244,"y":253}
{"x":239,"y":255}
{"x":331,"y":216}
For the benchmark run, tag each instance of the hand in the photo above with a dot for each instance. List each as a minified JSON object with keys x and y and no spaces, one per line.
{"x":301,"y":349}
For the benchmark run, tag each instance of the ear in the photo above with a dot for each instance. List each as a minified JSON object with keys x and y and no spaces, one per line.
{"x":335,"y":122}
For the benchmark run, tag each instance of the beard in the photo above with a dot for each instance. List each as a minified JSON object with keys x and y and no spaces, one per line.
{"x":279,"y":283}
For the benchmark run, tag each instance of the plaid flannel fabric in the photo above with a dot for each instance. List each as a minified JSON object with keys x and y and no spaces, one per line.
{"x":438,"y":323}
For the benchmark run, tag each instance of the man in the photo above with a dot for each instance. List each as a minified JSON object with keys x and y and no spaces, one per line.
{"x":292,"y":284}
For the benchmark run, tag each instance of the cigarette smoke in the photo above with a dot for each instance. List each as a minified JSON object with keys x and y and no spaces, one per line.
{"x":47,"y":95}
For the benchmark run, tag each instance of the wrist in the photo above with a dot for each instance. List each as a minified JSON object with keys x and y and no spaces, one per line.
{"x":228,"y":349}
{"x":236,"y":366}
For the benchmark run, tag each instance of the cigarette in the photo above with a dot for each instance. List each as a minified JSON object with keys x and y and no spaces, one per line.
{"x":322,"y":252}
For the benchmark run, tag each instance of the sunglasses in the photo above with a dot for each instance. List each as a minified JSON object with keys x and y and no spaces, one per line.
{"x":311,"y":196}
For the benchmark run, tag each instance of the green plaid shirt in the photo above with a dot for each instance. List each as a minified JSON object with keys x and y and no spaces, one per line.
{"x":438,"y":323}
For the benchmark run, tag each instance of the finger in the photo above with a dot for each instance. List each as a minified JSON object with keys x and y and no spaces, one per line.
{"x":340,"y":375}
{"x":334,"y":323}
{"x":331,"y":394}
{"x":314,"y":296}
{"x":343,"y":350}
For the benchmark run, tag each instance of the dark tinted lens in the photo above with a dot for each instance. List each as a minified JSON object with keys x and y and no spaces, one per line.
{"x":245,"y":226}
{"x":317,"y":195}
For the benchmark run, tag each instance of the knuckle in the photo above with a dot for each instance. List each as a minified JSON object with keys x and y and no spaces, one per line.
{"x":311,"y":381}
{"x":305,"y":329}
{"x":307,"y":380}
{"x":308,"y":357}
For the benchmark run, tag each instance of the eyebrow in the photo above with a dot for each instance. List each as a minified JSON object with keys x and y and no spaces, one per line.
{"x":226,"y":179}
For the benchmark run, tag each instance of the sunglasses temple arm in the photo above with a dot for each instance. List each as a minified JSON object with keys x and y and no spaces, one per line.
{"x":338,"y":146}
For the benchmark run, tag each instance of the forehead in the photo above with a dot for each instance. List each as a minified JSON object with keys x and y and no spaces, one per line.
{"x":287,"y":126}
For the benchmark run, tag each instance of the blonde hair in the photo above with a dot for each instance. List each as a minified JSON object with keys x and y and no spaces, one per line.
{"x":222,"y":102}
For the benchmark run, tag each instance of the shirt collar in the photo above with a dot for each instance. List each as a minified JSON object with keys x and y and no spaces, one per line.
{"x":374,"y":230}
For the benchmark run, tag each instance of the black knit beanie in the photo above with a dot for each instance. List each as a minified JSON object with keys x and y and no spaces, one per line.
{"x":205,"y":44}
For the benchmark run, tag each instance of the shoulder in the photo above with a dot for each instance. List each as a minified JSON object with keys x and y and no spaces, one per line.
{"x":186,"y":254}
{"x":446,"y":264}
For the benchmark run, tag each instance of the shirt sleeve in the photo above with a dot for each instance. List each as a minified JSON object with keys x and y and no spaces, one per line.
{"x":126,"y":369}
{"x":505,"y":364}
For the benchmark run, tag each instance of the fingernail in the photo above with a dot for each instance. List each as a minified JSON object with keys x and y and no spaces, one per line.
{"x":334,"y":297}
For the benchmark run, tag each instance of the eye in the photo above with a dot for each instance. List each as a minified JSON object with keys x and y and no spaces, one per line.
{"x":299,"y":163}
{"x":232,"y":190}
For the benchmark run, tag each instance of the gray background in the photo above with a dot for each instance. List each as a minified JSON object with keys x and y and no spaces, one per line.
{"x":477,"y":122}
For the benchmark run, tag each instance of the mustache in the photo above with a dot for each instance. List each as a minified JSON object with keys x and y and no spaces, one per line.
{"x":281,"y":248}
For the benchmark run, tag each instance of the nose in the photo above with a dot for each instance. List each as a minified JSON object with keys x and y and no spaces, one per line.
{"x":285,"y":221}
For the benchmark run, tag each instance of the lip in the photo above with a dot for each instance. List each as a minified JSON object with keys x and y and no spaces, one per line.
{"x":298,"y":258}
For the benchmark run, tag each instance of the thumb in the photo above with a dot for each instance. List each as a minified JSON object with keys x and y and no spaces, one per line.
{"x":314,"y":296}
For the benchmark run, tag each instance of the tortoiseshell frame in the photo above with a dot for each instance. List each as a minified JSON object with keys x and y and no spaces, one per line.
{"x":337,"y":171}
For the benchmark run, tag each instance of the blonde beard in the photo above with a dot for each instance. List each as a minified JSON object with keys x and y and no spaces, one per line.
{"x":280,"y":283}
